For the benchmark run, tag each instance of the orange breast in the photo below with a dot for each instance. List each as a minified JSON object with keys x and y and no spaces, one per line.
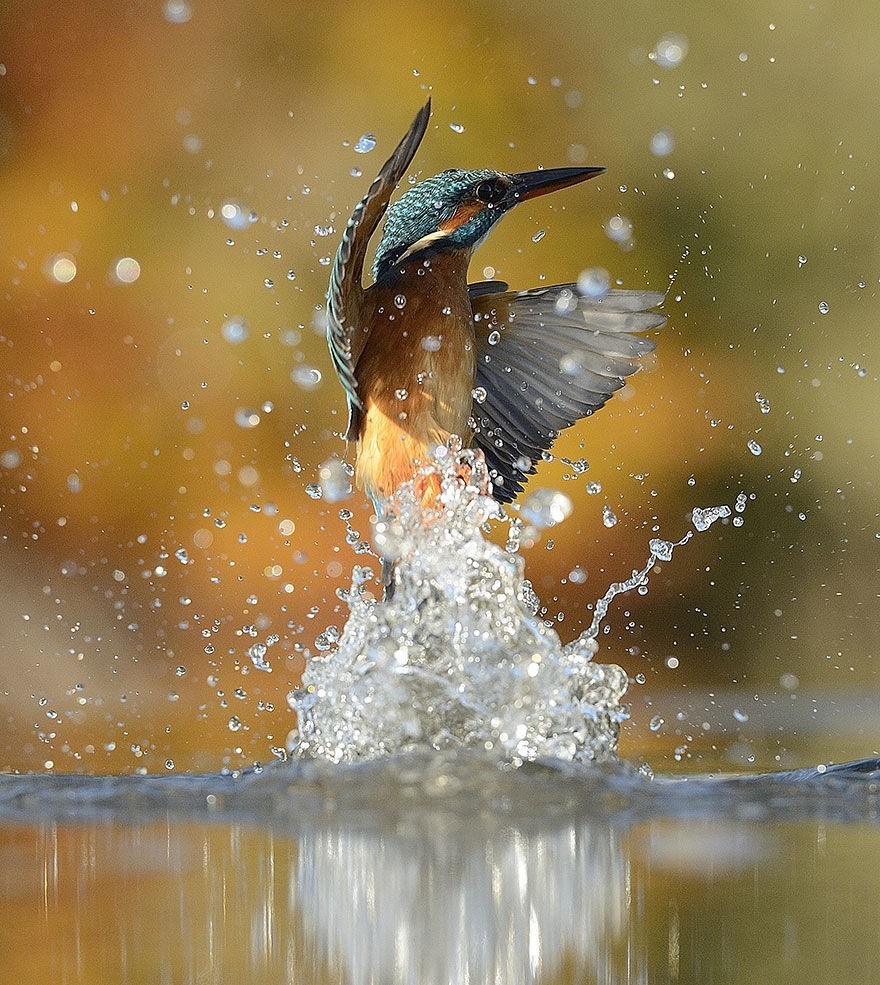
{"x":415,"y":375}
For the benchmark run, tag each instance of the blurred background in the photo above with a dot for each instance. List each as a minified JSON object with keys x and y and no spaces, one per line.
{"x":175,"y":177}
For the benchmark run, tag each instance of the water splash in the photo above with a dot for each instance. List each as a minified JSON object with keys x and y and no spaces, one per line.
{"x":457,"y":658}
{"x":661,"y":550}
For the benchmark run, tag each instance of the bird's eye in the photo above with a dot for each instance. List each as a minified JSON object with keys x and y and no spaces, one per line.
{"x":491,"y":192}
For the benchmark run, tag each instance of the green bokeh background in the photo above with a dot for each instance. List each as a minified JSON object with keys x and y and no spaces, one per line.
{"x":123,"y":133}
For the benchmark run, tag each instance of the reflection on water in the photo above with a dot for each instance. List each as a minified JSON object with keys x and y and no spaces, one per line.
{"x":504,"y":904}
{"x":441,"y":870}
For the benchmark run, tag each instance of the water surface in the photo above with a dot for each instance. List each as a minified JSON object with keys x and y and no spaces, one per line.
{"x":442,"y":868}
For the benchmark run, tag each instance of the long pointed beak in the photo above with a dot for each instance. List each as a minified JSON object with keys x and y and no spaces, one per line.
{"x":530,"y":184}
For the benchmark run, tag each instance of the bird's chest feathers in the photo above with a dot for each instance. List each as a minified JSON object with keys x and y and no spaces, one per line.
{"x":418,"y":363}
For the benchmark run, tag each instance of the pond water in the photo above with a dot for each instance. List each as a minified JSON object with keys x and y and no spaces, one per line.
{"x":442,"y":868}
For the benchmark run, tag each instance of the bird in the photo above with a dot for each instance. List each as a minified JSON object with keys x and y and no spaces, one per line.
{"x":423,"y":355}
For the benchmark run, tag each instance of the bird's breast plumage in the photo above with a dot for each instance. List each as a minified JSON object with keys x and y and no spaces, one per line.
{"x":416,"y":370}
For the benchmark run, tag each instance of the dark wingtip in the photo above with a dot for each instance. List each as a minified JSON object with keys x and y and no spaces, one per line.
{"x":406,"y":149}
{"x":420,"y":123}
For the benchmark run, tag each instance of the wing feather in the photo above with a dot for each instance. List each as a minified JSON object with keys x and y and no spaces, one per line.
{"x":344,"y":337}
{"x":547,"y":358}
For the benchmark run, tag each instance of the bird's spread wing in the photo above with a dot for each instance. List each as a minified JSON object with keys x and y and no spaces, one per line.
{"x":545,"y":359}
{"x":343,"y":336}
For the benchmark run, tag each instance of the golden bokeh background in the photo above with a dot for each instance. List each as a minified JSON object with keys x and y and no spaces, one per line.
{"x":175,"y":176}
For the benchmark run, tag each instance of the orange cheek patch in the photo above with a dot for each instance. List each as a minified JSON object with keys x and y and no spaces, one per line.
{"x":464,"y":213}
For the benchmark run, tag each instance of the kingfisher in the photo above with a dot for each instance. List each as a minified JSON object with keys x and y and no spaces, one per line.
{"x":423,"y":355}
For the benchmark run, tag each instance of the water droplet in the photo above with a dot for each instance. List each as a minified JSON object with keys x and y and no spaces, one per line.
{"x":432,"y":343}
{"x":479,"y":394}
{"x":235,"y":724}
{"x":661,"y":549}
{"x":824,"y":307}
{"x":546,"y":508}
{"x":608,"y":516}
{"x":61,"y":268}
{"x":10,"y":459}
{"x":334,"y":481}
{"x":327,"y":639}
{"x":670,"y":50}
{"x":246,"y":417}
{"x":257,"y":653}
{"x":400,"y":301}
{"x":662,"y":143}
{"x":401,"y":394}
{"x":324,"y":230}
{"x":702,"y":519}
{"x":177,"y":11}
{"x":539,"y":235}
{"x":306,"y":377}
{"x":235,"y":215}
{"x":754,"y":447}
{"x":126,"y":270}
{"x":566,"y":302}
{"x":594,"y":283}
{"x":456,"y":127}
{"x":763,"y":403}
{"x":619,"y":229}
{"x":656,"y":723}
{"x":234,"y":330}
{"x":366,"y":142}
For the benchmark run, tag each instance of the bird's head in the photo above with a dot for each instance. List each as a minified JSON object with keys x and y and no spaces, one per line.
{"x":455,"y":210}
